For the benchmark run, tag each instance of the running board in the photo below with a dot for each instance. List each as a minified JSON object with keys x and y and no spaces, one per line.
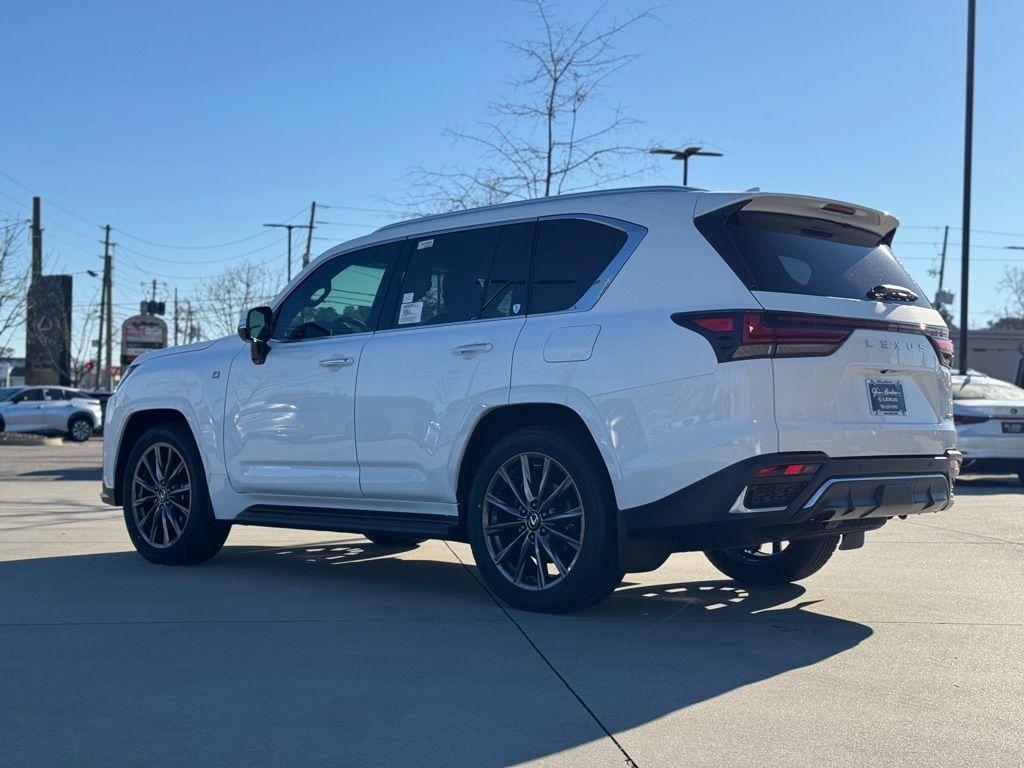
{"x":351,"y":521}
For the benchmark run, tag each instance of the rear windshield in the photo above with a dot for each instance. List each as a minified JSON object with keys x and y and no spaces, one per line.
{"x":794,"y":254}
{"x":986,"y":390}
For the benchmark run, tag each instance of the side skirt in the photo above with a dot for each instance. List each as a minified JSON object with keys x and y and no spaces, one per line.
{"x":352,"y":521}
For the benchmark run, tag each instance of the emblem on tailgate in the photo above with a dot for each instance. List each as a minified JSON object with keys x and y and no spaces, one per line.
{"x":909,"y":346}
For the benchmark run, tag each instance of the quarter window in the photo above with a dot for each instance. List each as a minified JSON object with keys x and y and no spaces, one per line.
{"x":340,"y":297}
{"x":571,"y":255}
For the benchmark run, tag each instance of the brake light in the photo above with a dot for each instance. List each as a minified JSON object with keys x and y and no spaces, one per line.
{"x":745,"y":335}
{"x":959,"y":418}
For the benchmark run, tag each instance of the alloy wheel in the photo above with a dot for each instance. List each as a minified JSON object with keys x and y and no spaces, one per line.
{"x":533,"y":521}
{"x":80,"y":430}
{"x":161,"y":495}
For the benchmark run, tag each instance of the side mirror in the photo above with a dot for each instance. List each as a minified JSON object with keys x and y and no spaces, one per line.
{"x":256,"y":329}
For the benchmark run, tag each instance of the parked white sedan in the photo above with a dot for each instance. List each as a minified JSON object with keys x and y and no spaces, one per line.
{"x":989,"y":418}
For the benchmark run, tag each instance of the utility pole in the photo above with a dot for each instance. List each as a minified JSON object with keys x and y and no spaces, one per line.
{"x":152,"y":296}
{"x":103,"y":307}
{"x":109,"y":270}
{"x":965,"y":238}
{"x":175,"y":315}
{"x":37,"y":239}
{"x":941,"y":297}
{"x":309,"y":234}
{"x":290,"y":227}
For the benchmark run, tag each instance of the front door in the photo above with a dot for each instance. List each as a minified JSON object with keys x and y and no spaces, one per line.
{"x":289,"y":426}
{"x":25,"y":413}
{"x":442,"y":359}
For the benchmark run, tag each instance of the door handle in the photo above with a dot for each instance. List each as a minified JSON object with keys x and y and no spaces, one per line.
{"x":337,"y":362}
{"x":476,"y":348}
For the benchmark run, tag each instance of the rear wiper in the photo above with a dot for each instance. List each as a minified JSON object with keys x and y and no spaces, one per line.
{"x":891,"y":293}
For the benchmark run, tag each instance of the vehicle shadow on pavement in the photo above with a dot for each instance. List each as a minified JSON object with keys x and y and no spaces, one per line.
{"x":343,"y":651}
{"x":66,"y":473}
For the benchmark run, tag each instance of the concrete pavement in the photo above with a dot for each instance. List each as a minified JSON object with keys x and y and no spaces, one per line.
{"x":294,"y":647}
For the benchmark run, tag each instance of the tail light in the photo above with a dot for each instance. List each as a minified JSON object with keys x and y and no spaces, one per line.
{"x":746,"y":335}
{"x":960,"y":418}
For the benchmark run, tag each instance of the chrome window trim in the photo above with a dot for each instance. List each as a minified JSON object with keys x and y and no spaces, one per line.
{"x":635,"y":233}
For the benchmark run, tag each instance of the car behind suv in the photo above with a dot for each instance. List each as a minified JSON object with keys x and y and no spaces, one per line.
{"x":578,"y":386}
{"x":50,"y":411}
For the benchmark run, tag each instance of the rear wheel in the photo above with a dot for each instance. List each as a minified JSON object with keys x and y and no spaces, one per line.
{"x":388,"y":540}
{"x":776,"y":562}
{"x":541,"y":521}
{"x":79,"y":429}
{"x":166,"y":502}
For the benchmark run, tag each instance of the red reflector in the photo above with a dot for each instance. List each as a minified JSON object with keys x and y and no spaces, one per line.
{"x":959,"y":418}
{"x":779,"y":470}
{"x":716,"y":324}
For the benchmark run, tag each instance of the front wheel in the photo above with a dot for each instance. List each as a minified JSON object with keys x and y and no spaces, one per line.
{"x":541,"y":521}
{"x":776,"y":562}
{"x":166,"y":502}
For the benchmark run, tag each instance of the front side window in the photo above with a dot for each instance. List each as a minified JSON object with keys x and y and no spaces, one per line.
{"x":342,"y":296}
{"x":571,"y":255}
{"x":445,"y":276}
{"x":29,"y":396}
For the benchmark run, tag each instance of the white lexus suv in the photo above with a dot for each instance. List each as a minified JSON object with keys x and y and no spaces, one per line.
{"x":577,"y":386}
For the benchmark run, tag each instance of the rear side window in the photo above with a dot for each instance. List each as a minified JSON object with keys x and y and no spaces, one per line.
{"x":793,"y":254}
{"x":505,"y":291}
{"x":571,"y":254}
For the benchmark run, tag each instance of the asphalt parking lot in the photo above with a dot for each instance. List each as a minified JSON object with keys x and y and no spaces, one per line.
{"x":293,"y":647}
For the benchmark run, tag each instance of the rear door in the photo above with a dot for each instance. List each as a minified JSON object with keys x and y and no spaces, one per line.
{"x":56,"y":409}
{"x":442,"y":358}
{"x":860,"y":358}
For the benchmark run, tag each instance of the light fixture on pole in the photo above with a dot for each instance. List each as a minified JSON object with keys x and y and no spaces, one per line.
{"x":685,"y":154}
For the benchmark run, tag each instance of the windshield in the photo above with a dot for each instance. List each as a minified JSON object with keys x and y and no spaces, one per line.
{"x":7,"y":392}
{"x":986,"y":389}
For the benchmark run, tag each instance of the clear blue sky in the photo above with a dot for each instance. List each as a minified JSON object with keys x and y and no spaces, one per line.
{"x":195,"y":123}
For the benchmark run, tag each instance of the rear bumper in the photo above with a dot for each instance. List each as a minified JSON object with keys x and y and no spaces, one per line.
{"x":843,"y":494}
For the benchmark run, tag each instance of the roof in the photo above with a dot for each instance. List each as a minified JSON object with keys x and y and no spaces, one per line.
{"x":539,"y":200}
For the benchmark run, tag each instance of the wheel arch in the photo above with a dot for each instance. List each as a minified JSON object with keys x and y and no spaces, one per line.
{"x":75,"y":414}
{"x":135,"y":427}
{"x":500,"y":421}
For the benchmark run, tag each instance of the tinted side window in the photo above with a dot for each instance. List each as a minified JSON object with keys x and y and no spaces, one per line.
{"x":445,"y":276}
{"x":30,"y":395}
{"x":571,"y":254}
{"x":505,"y":292}
{"x":342,"y":296}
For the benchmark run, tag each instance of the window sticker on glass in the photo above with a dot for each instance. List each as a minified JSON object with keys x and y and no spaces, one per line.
{"x":408,"y":297}
{"x":410,"y":313}
{"x":424,"y":244}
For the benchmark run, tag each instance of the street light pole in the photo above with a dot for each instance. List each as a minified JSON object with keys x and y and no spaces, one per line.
{"x":966,"y":236}
{"x":685,"y":154}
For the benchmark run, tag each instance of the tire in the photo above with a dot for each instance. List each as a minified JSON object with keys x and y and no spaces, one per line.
{"x":796,"y":561}
{"x":585,"y":572}
{"x":171,"y":537}
{"x":79,"y":429}
{"x":388,"y":540}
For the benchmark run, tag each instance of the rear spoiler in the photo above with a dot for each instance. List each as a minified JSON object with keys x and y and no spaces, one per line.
{"x":879,"y":223}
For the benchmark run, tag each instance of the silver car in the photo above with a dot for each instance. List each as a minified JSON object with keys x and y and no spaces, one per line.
{"x":50,"y":410}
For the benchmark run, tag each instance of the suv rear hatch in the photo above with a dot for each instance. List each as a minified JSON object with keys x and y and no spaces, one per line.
{"x":860,"y":359}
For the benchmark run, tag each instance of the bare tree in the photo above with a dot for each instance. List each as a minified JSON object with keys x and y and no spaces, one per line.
{"x":219,"y":300}
{"x":547,"y":137}
{"x":14,"y":278}
{"x":1012,"y":287}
